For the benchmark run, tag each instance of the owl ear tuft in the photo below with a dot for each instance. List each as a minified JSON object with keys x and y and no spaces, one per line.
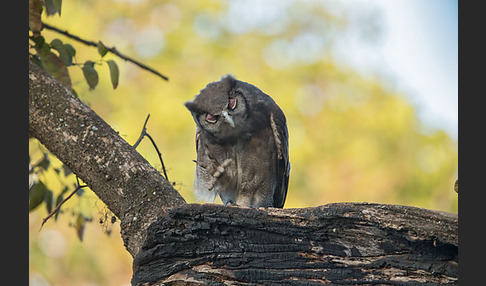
{"x":229,"y":81}
{"x":192,"y":107}
{"x":227,"y":77}
{"x":189,"y":104}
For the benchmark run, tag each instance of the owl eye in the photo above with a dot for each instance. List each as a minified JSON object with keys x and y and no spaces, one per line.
{"x":232,"y":103}
{"x":211,"y":118}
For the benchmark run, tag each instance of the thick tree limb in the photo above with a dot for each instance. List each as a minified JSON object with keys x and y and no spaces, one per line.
{"x":335,"y":244}
{"x":131,"y":188}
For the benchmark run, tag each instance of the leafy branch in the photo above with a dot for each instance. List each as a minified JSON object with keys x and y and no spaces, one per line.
{"x":103,"y":49}
{"x":57,"y":63}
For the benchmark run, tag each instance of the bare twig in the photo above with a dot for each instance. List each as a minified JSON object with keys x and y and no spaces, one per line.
{"x":160,"y":155}
{"x":143,"y":134}
{"x":61,"y":203}
{"x":112,"y":50}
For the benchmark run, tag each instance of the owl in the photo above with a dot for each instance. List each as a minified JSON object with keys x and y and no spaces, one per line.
{"x":241,"y":145}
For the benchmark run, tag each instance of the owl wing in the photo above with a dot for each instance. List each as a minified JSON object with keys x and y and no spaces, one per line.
{"x":281,"y":138}
{"x":198,"y":133}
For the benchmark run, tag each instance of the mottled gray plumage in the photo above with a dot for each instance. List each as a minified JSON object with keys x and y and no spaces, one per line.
{"x":241,"y":144}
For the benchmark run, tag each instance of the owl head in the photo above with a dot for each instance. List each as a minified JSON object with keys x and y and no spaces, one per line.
{"x":225,"y":109}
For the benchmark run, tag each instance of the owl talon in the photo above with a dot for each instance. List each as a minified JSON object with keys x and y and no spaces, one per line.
{"x":230,"y":203}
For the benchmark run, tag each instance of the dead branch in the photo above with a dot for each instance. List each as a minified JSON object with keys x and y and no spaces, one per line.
{"x":145,"y":133}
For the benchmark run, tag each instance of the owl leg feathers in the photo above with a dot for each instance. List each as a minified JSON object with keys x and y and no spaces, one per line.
{"x":207,"y":176}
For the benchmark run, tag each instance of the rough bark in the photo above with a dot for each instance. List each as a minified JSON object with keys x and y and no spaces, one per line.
{"x":346,"y":243}
{"x":131,"y":188}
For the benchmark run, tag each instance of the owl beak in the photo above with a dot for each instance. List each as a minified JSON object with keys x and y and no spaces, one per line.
{"x":228,"y":118}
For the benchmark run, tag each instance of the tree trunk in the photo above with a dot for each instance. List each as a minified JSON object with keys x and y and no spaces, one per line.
{"x":178,"y":244}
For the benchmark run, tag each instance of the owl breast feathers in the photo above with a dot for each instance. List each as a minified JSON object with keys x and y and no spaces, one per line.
{"x":241,"y":144}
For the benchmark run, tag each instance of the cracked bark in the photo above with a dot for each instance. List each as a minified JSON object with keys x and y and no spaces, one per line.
{"x":174,"y":243}
{"x":334,"y":244}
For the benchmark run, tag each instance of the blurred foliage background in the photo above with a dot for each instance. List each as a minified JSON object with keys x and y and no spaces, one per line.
{"x":352,"y":136}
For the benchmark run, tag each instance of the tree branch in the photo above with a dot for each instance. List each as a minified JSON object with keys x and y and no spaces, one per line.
{"x":145,"y":133}
{"x":129,"y":186}
{"x":53,"y":212}
{"x":112,"y":50}
{"x":334,"y":244}
{"x":142,"y":134}
{"x":159,"y":154}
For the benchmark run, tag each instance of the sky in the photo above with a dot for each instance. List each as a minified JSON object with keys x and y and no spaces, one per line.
{"x":419,"y":50}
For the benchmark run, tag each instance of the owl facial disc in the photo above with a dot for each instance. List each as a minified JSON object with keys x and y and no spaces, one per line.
{"x":228,"y":118}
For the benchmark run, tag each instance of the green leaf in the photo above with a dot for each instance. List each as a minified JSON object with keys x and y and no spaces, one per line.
{"x":50,"y":8}
{"x":59,"y":199}
{"x":45,"y":162}
{"x":102,"y":49}
{"x":57,"y":44}
{"x":79,"y":226}
{"x":64,"y":53}
{"x":66,"y":170}
{"x":37,"y":193}
{"x":90,"y":74}
{"x":40,"y":42}
{"x":70,"y":49}
{"x":35,"y":59}
{"x":53,"y":7}
{"x":35,"y":11}
{"x":114,"y":73}
{"x":55,"y":66}
{"x":49,"y":200}
{"x":89,"y":63}
{"x":64,"y":190}
{"x":58,"y":5}
{"x":80,"y":193}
